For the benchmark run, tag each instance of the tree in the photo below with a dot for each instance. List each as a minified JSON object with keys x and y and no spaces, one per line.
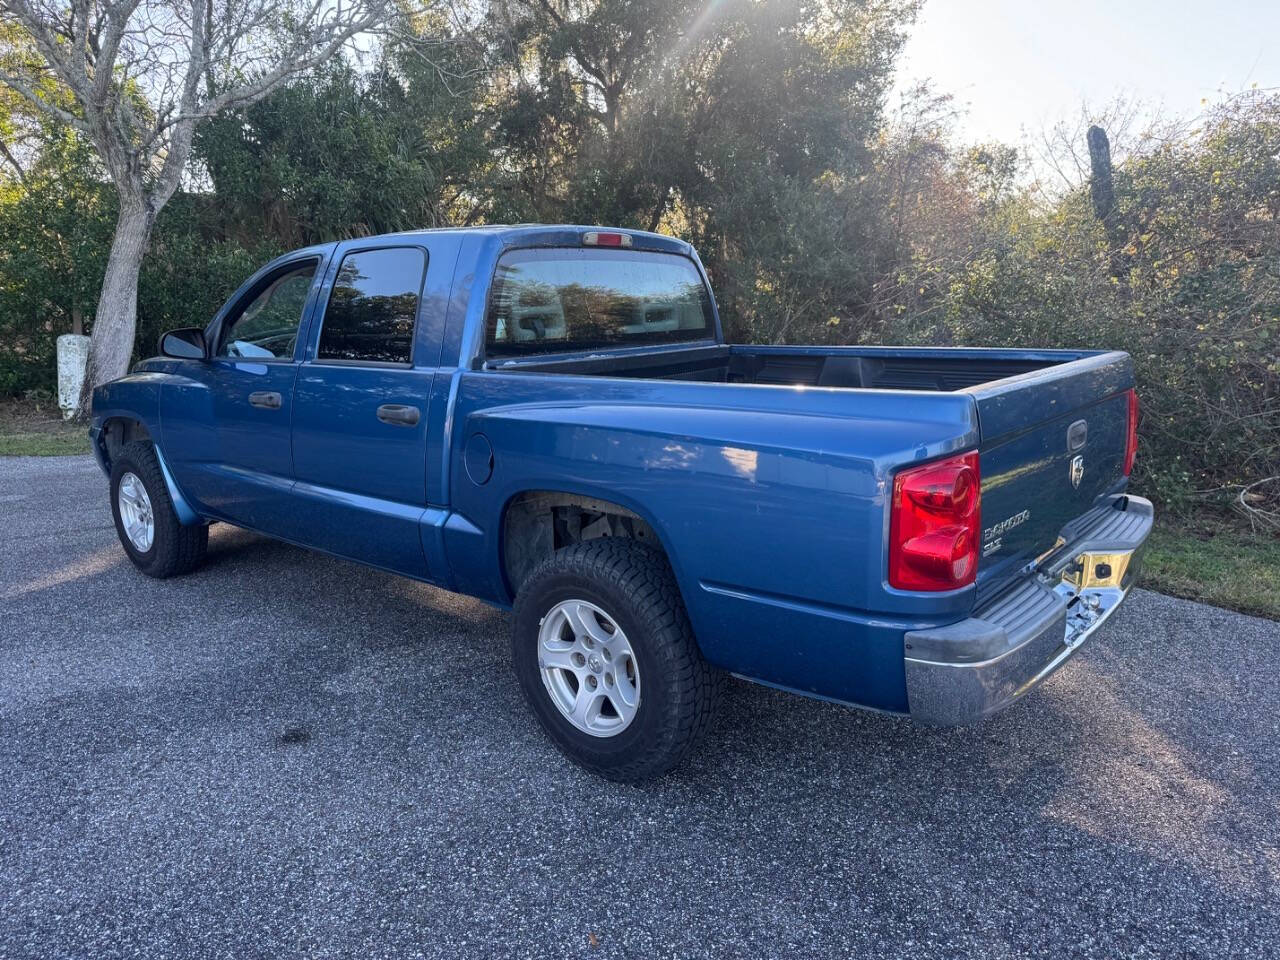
{"x":56,"y":218}
{"x":136,"y":78}
{"x":344,"y":152}
{"x":743,"y":125}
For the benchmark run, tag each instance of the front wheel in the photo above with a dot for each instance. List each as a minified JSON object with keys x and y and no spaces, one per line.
{"x":148,"y":527}
{"x":606,"y":658}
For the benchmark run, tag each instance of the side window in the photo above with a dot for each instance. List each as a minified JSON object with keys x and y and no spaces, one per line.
{"x":268,"y":326}
{"x":373,"y":306}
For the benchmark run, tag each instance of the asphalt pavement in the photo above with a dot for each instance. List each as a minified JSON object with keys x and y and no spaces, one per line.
{"x":287,"y":755}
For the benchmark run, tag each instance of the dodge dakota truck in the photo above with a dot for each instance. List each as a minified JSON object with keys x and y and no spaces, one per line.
{"x":549,"y":418}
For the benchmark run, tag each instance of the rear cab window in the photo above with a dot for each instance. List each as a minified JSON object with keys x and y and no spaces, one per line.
{"x":373,"y":307}
{"x":554,"y":299}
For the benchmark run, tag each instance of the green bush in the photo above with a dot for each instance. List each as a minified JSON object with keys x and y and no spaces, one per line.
{"x":55,"y":231}
{"x":190,"y":272}
{"x":1193,"y":293}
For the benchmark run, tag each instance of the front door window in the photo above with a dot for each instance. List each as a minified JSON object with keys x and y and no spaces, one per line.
{"x":267,"y":327}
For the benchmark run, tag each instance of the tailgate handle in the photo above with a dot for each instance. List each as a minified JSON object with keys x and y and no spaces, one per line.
{"x":398,"y":413}
{"x":1077,"y":434}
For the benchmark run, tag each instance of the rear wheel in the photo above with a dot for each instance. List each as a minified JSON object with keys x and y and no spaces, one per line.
{"x":148,"y":527}
{"x":606,"y":658}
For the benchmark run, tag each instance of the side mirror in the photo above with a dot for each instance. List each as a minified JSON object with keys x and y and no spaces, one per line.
{"x":186,"y":343}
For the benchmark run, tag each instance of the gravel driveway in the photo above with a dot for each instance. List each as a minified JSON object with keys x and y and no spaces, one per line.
{"x":286,"y":755}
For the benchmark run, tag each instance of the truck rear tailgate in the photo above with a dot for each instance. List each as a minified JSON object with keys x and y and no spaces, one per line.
{"x":1052,"y":443}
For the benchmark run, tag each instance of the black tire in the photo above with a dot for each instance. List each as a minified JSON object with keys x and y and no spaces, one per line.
{"x":175,"y":549}
{"x":634,"y":585}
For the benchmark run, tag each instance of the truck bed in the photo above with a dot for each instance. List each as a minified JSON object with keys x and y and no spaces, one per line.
{"x":1024,"y":403}
{"x":878,"y":368}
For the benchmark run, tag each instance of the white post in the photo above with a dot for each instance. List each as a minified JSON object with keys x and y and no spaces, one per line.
{"x":73,"y":357}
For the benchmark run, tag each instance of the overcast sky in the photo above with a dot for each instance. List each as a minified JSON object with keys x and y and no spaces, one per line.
{"x":1020,"y":65}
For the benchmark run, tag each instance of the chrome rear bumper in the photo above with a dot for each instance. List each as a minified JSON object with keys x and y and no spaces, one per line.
{"x":964,"y":671}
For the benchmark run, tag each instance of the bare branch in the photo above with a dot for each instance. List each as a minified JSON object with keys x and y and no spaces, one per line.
{"x":21,"y":87}
{"x":142,"y":74}
{"x":109,"y":46}
{"x":13,"y":162}
{"x":294,"y":63}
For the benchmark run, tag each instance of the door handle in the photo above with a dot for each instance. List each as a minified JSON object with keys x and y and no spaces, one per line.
{"x":266,"y":400}
{"x":400,"y":414}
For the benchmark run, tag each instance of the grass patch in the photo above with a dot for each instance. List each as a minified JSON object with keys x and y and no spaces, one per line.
{"x":35,"y":428}
{"x":1216,"y":560}
{"x":43,"y":444}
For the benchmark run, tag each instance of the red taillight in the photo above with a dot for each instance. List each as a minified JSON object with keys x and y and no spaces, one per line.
{"x":1131,"y":444}
{"x":934,"y":525}
{"x":597,"y":239}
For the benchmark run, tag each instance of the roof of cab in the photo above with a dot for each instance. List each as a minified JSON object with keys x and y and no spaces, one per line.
{"x":510,"y":236}
{"x":554,"y":235}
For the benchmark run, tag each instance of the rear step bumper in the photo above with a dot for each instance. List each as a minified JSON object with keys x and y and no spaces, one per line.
{"x":964,"y":671}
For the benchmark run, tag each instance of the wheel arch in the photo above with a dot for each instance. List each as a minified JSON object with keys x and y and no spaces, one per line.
{"x":537,"y":522}
{"x":118,"y":431}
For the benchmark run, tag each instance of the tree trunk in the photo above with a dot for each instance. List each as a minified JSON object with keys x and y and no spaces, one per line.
{"x":1101,"y":187}
{"x":116,"y":320}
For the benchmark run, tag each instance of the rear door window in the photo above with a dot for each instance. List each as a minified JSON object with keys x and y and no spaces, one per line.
{"x":558,"y":299}
{"x":373,"y":306}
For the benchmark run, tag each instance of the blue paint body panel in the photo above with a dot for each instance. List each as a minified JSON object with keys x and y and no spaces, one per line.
{"x":770,"y":497}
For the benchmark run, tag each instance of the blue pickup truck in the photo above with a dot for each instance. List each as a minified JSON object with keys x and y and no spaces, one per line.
{"x":549,"y":418}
